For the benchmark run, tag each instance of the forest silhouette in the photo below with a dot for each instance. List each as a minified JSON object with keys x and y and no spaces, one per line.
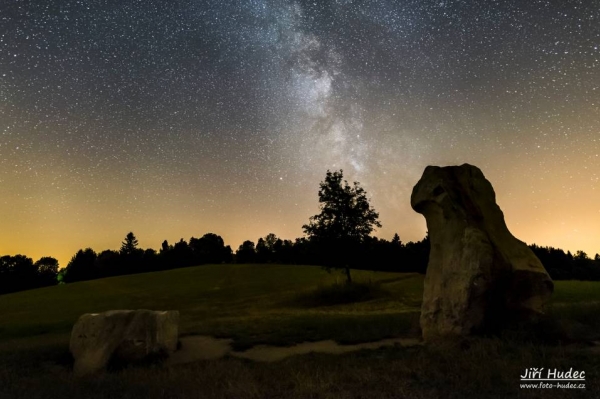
{"x":19,"y":272}
{"x":339,"y":237}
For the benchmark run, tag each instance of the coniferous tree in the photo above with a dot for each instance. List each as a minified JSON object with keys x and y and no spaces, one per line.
{"x":129,"y":246}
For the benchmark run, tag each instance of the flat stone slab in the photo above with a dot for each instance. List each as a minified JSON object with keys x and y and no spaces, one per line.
{"x":126,"y":335}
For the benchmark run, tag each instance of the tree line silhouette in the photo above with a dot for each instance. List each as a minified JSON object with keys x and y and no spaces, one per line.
{"x":18,"y":273}
{"x":566,"y":266}
{"x":86,"y":264}
{"x":339,"y":237}
{"x":375,"y":254}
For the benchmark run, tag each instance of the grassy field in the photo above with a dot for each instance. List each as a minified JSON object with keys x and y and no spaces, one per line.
{"x":282,"y":305}
{"x":250,"y":303}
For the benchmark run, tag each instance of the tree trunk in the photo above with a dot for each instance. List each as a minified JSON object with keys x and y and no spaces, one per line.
{"x":348,"y":277}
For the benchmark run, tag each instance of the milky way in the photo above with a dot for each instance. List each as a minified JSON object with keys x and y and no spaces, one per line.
{"x":175,"y":118}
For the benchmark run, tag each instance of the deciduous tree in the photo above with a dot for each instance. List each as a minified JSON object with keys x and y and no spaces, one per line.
{"x":345,"y":221}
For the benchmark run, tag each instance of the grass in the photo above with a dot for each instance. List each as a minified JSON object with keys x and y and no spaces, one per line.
{"x":481,"y":368}
{"x":223,"y":300}
{"x":341,"y":293}
{"x":282,"y":305}
{"x":573,"y":292}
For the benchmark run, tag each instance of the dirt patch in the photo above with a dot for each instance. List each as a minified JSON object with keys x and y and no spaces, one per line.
{"x":265,"y":353}
{"x":201,"y":347}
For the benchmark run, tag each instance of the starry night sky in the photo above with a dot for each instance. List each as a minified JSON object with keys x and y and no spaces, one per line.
{"x":176,"y":118}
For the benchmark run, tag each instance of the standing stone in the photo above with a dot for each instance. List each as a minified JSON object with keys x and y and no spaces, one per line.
{"x":479,"y":275}
{"x":126,"y":335}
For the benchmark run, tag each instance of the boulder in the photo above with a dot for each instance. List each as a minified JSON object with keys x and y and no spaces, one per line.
{"x":479,"y":276}
{"x":127,"y":336}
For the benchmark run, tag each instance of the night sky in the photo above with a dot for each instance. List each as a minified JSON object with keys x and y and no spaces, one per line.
{"x":175,"y":118}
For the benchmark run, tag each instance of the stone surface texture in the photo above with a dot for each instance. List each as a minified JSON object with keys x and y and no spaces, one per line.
{"x":127,"y":336}
{"x":479,"y":276}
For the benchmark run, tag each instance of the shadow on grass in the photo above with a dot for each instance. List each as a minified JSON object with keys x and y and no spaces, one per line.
{"x":339,"y":294}
{"x":570,"y":324}
{"x":563,"y":325}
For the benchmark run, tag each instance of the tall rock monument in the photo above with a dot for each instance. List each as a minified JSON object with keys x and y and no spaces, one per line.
{"x":479,"y":275}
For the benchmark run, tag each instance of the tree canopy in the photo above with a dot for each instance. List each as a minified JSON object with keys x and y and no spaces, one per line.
{"x":19,"y":273}
{"x":345,"y":221}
